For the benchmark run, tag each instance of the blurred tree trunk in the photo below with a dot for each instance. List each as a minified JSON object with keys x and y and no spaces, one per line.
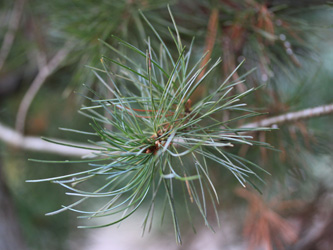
{"x":10,"y":229}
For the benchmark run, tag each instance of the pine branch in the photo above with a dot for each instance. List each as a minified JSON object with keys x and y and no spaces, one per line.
{"x":31,"y":143}
{"x":292,"y":116}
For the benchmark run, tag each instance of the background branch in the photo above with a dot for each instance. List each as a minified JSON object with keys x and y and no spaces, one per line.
{"x":12,"y":28}
{"x":292,"y":116}
{"x":44,"y":72}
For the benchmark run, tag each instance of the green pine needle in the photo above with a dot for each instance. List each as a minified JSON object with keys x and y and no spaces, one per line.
{"x":156,"y":132}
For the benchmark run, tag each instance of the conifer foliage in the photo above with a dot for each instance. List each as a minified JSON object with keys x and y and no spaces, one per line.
{"x":180,"y":103}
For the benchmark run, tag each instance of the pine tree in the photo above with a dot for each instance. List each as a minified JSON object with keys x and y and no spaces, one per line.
{"x":182,"y":107}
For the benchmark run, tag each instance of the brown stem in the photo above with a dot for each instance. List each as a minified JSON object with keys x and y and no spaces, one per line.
{"x":209,"y":45}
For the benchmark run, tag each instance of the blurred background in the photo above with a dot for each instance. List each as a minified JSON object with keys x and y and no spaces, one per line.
{"x":287,"y":45}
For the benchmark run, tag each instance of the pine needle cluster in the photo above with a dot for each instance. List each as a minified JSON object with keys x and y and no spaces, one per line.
{"x":159,"y":138}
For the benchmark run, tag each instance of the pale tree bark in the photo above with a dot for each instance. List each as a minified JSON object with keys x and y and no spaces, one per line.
{"x":32,"y":143}
{"x":292,"y":116}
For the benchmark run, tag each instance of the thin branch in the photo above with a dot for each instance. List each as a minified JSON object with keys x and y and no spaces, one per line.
{"x":13,"y":138}
{"x":12,"y":28}
{"x":45,"y":72}
{"x":292,"y":116}
{"x":32,"y":143}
